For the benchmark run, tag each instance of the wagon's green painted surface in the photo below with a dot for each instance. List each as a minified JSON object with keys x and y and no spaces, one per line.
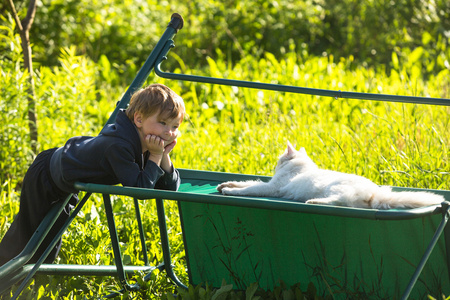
{"x":368,"y":258}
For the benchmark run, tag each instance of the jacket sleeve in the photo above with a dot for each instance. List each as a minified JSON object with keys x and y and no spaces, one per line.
{"x":128,"y":172}
{"x":169,"y":181}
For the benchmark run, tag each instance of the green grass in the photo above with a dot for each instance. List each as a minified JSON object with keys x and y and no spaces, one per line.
{"x":243,"y":131}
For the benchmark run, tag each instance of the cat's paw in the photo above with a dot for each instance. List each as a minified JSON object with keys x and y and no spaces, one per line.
{"x":230,"y":191}
{"x":227,"y":191}
{"x":226,"y":185}
{"x":220,"y":187}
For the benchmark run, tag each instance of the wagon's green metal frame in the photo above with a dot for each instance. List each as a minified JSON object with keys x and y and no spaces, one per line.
{"x":18,"y":269}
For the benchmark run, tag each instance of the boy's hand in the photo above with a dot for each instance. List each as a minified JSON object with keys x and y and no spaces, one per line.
{"x":159,"y":153}
{"x":169,"y":147}
{"x":155,"y":145}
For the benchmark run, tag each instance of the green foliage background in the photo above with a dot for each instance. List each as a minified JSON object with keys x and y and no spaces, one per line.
{"x":87,"y":52}
{"x":371,"y":31}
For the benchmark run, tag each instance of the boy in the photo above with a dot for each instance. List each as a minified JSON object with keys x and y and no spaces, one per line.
{"x":134,"y":151}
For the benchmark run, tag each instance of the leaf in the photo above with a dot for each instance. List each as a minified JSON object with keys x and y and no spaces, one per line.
{"x":312,"y":290}
{"x":222,"y":293}
{"x":426,"y":38}
{"x":288,"y":295}
{"x":214,"y":71}
{"x":169,"y":296}
{"x":395,"y":60}
{"x":251,"y":290}
{"x":242,"y":252}
{"x":415,"y":55}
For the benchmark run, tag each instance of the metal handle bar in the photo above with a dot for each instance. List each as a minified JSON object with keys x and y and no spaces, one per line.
{"x":293,"y":89}
{"x":176,"y":23}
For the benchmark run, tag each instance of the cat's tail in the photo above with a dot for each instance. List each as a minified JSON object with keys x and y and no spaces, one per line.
{"x":385,"y":198}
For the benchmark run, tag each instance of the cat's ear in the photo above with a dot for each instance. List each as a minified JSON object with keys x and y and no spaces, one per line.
{"x":302,"y":150}
{"x":290,"y":149}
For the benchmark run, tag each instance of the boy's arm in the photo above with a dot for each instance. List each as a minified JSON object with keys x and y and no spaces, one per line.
{"x":122,"y":162}
{"x":156,"y":158}
{"x":171,"y":179}
{"x":163,"y":161}
{"x":166,"y":163}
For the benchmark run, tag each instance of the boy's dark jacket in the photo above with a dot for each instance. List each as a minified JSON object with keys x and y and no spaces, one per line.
{"x":113,"y":157}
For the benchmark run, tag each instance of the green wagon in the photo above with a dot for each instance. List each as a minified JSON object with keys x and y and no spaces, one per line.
{"x":346,"y":252}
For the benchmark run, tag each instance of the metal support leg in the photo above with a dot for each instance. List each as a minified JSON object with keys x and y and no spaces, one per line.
{"x":35,"y":241}
{"x":165,"y":243}
{"x":446,"y":214}
{"x":53,"y":243}
{"x":426,"y":255}
{"x":141,"y":232}
{"x":116,"y":246}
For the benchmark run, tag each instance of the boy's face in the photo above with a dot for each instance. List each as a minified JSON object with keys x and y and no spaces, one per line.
{"x":156,"y":124}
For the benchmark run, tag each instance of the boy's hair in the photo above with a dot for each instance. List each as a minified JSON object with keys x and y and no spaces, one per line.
{"x":156,"y":98}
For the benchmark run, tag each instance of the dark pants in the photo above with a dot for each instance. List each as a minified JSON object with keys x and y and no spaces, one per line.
{"x":38,"y":195}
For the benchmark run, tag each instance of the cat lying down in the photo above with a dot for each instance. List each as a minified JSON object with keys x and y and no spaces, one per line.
{"x":298,"y":178}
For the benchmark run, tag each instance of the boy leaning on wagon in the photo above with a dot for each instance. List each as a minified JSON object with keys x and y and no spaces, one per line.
{"x":134,"y":151}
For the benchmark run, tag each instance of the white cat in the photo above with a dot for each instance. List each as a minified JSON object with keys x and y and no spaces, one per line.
{"x":298,"y":178}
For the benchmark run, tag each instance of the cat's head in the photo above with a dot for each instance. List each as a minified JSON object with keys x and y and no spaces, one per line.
{"x":294,"y":158}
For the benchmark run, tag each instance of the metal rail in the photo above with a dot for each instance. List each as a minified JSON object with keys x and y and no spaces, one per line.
{"x":294,"y":89}
{"x":262,"y":203}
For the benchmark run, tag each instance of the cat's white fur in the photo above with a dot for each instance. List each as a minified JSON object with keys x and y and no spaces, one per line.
{"x":298,"y":178}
